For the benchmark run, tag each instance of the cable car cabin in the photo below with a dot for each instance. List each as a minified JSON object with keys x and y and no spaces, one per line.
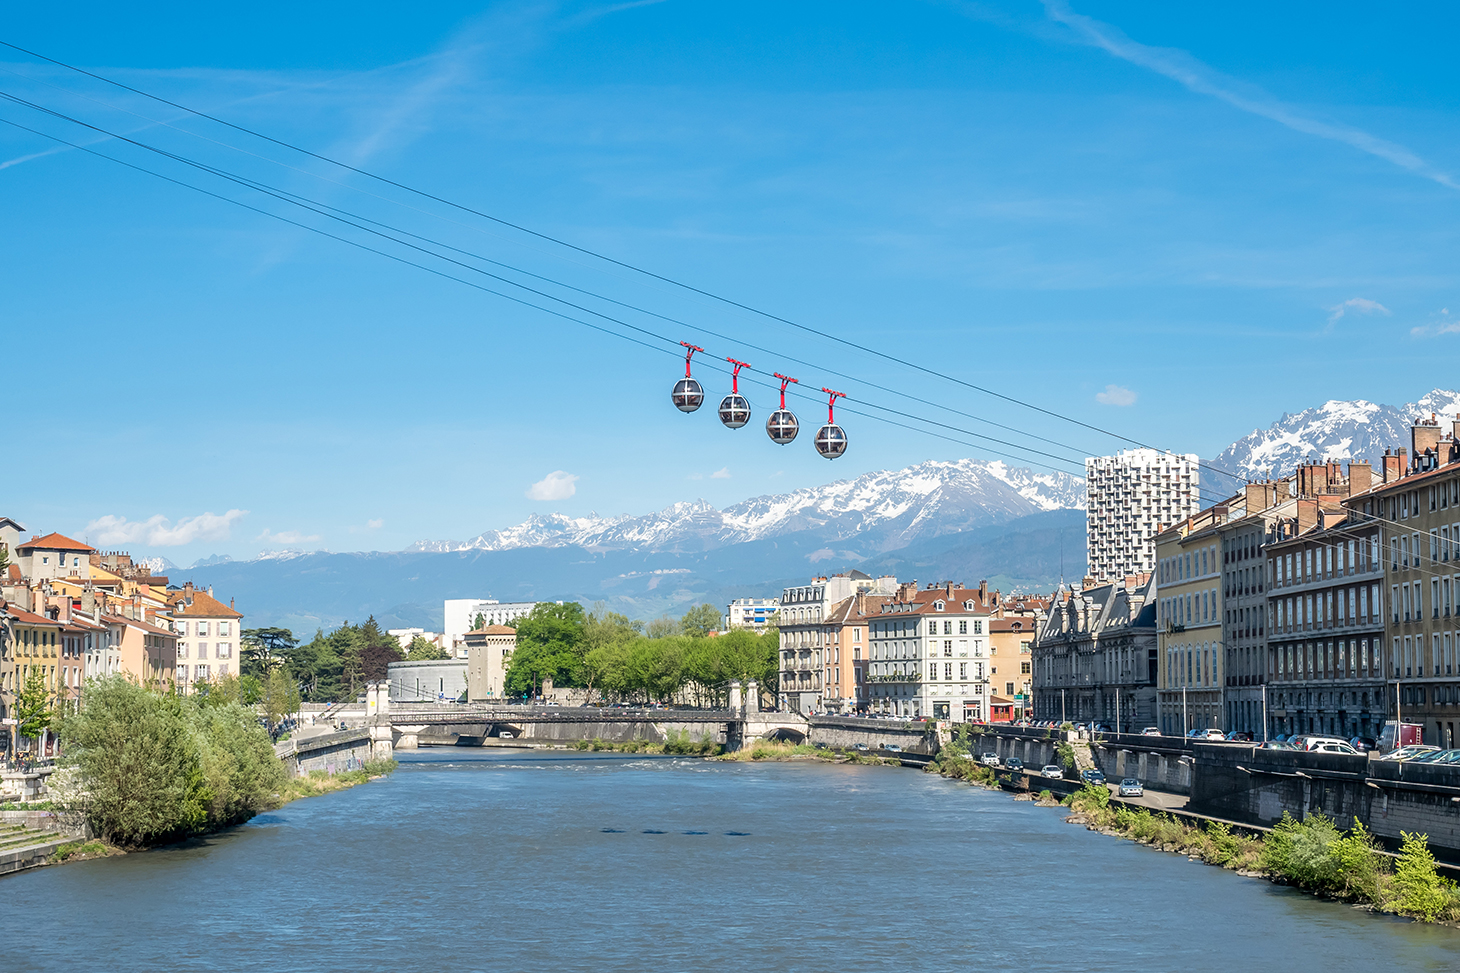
{"x":782,"y":427}
{"x":831,"y":440}
{"x":688,"y":396}
{"x":734,"y":411}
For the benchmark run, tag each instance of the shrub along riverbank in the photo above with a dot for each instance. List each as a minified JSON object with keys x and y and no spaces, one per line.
{"x":149,"y":767}
{"x":1315,"y":855}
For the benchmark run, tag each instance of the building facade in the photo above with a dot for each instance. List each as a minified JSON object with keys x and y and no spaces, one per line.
{"x":1190,"y":654}
{"x":929,"y":653}
{"x":460,"y":615}
{"x":438,"y":680}
{"x":488,"y":655}
{"x":1094,"y":656}
{"x":847,"y":654}
{"x":752,"y":613}
{"x":207,"y":636}
{"x":1132,"y":496}
{"x":806,"y":635}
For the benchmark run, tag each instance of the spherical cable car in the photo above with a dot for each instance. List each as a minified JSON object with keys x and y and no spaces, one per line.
{"x":688,"y":395}
{"x":831,"y":439}
{"x":734,"y":409}
{"x":782,"y":426}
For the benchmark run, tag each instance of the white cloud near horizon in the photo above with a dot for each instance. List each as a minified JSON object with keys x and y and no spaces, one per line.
{"x":286,"y":537}
{"x":557,"y":485}
{"x":159,"y":531}
{"x":1360,"y":304}
{"x":375,"y":524}
{"x":721,"y":474}
{"x":1201,"y":79}
{"x":1116,"y":395}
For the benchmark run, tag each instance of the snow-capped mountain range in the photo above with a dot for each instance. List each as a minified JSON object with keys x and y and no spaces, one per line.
{"x":883,"y":510}
{"x":1335,"y":430}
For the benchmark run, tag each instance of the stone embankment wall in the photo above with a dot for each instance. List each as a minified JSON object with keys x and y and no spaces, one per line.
{"x":1160,"y":763}
{"x":330,"y":752}
{"x":480,"y":734}
{"x":1252,"y":785}
{"x":845,"y":732}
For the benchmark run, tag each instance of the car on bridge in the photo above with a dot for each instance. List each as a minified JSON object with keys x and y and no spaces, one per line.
{"x":1092,"y":776}
{"x":1130,"y":787}
{"x":989,"y":760}
{"x":1014,"y":763}
{"x":1053,"y":771}
{"x":1151,"y":731}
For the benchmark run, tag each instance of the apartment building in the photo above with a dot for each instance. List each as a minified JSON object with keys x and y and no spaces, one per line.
{"x":1415,"y":508}
{"x":1131,"y":497}
{"x":1325,"y":622}
{"x":752,"y":613}
{"x":1189,"y":645}
{"x":846,"y":656}
{"x":1011,"y":651}
{"x":929,"y":653}
{"x":806,"y":635}
{"x":1094,"y":656}
{"x":207,"y":636}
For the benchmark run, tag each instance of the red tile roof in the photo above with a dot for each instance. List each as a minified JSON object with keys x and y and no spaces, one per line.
{"x":31,"y":618}
{"x":55,"y":542}
{"x":493,"y":630}
{"x":204,"y":606}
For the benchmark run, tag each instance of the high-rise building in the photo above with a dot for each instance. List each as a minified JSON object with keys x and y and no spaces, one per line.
{"x":1133,"y":495}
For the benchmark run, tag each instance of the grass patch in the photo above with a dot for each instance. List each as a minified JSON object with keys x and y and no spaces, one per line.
{"x":82,"y":850}
{"x":318,"y":782}
{"x":679,"y":744}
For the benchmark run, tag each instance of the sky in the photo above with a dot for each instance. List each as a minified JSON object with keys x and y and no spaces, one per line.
{"x":1171,"y":224}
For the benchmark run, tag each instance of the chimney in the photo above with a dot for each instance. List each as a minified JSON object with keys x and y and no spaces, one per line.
{"x":1393,"y":465}
{"x":1424,"y":434}
{"x":1307,"y":514}
{"x":949,"y":590}
{"x":1360,"y":478}
{"x":230,"y":605}
{"x":983,"y":591}
{"x":1256,"y":497}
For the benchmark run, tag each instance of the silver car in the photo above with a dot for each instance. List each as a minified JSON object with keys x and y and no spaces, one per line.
{"x":990,"y":759}
{"x":1130,"y":787}
{"x":1053,"y":771}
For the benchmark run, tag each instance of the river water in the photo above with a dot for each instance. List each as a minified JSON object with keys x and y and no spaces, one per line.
{"x":524,"y":861}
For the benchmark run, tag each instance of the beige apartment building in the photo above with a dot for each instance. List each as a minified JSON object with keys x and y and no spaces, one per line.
{"x":929,"y":653}
{"x":1189,"y":651}
{"x":206,"y":635}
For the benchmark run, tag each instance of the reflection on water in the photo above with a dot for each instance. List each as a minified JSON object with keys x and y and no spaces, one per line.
{"x":490,"y":860}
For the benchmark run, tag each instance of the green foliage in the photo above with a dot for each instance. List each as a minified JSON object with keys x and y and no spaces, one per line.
{"x":33,"y":705}
{"x":264,"y":649}
{"x":334,"y":668}
{"x":280,"y":697}
{"x":422,"y":649}
{"x":158,"y":766}
{"x":1417,"y":890}
{"x":700,"y":620}
{"x":1066,"y":755}
{"x":1362,"y":869}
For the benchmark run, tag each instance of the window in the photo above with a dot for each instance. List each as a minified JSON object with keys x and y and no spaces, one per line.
{"x":223,"y":628}
{"x":1009,"y":688}
{"x":948,"y":671}
{"x":224,"y":650}
{"x":202,"y":628}
{"x":933,"y":670}
{"x":202,"y":650}
{"x":1024,"y":668}
{"x":182,"y":650}
{"x":963,"y":628}
{"x":948,"y":648}
{"x":203,"y":673}
{"x":963,"y":670}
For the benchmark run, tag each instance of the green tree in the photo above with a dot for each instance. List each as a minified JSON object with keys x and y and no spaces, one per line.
{"x":264,"y":648}
{"x":662,"y":628}
{"x":700,"y":620}
{"x":549,"y":646}
{"x":422,"y":649}
{"x":4,"y":558}
{"x":480,"y":622}
{"x":281,"y":697}
{"x":33,"y":705}
{"x":1417,"y":889}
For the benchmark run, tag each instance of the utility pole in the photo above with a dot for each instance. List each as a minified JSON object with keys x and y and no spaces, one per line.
{"x":1062,"y":707}
{"x":1264,"y":712}
{"x":1185,"y":723}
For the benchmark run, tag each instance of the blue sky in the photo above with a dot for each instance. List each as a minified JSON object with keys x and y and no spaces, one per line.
{"x":1175,"y":224}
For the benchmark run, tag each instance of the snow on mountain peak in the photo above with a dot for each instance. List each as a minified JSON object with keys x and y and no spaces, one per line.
{"x":931,"y":498}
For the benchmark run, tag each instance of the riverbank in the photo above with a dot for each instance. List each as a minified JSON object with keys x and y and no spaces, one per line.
{"x":1314,"y":855}
{"x":318,"y":782}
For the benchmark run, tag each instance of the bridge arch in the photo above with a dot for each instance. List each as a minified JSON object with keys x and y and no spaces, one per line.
{"x":785,"y":734}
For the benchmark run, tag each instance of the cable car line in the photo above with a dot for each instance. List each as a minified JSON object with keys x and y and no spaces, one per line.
{"x":592,"y":253}
{"x":518,"y":300}
{"x":311,"y":206}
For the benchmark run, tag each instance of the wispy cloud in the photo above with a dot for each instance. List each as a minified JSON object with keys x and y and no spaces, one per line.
{"x":1195,"y":76}
{"x":375,"y":524}
{"x":1442,"y":324}
{"x":286,"y":537}
{"x":557,"y":485}
{"x":1116,"y":395}
{"x":721,"y":474}
{"x":159,"y":531}
{"x":1360,"y":305}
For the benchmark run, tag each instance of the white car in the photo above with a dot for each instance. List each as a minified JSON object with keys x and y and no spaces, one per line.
{"x":1213,"y":733}
{"x":1332,"y":746}
{"x":990,"y":759}
{"x":1151,"y":731}
{"x":1053,"y":771}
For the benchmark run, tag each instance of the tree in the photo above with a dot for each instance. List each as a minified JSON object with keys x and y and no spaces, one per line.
{"x":281,"y":697}
{"x":264,"y":648}
{"x":4,"y":558}
{"x":480,"y":622}
{"x":662,"y":628}
{"x":33,"y":705}
{"x":700,"y":620}
{"x":423,"y":650}
{"x":549,"y":646}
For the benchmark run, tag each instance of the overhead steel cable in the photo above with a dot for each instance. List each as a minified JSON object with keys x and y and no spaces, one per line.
{"x":333,"y":213}
{"x":517,"y":300}
{"x":731,"y":302}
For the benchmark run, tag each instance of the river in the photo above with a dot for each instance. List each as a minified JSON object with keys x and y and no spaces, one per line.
{"x":540,"y":861}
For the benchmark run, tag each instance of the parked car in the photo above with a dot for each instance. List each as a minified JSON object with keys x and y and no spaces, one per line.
{"x":1130,"y":787}
{"x":1362,"y":744}
{"x":1312,"y":740}
{"x":1053,"y":771}
{"x":1240,"y":736}
{"x":1212,"y":733}
{"x":1409,"y":752}
{"x":1092,"y":776}
{"x":1332,"y":746}
{"x":1429,"y":757}
{"x":861,"y":747}
{"x":891,"y":748}
{"x":1151,"y":731}
{"x":1277,"y":745}
{"x":1101,"y":728}
{"x":1014,"y":763}
{"x":990,"y":759}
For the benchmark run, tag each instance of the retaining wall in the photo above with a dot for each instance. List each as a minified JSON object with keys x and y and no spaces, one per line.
{"x":845,"y":732}
{"x":330,"y":752}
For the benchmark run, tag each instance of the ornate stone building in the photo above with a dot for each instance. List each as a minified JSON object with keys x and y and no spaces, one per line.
{"x":1096,"y":653}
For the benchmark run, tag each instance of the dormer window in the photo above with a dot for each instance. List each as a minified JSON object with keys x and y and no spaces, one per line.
{"x":938,"y":605}
{"x":968,"y":605}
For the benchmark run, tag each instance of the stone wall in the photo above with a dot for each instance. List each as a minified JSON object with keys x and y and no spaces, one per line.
{"x":845,"y":732}
{"x":330,"y":752}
